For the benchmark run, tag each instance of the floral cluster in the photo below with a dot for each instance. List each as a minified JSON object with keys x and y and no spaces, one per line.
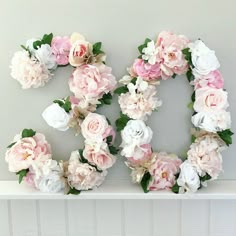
{"x":171,"y":55}
{"x":92,"y":84}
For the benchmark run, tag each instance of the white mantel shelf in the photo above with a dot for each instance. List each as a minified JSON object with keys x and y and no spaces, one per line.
{"x":119,"y":189}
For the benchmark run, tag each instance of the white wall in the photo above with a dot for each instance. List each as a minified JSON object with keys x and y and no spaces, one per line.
{"x":121,"y":26}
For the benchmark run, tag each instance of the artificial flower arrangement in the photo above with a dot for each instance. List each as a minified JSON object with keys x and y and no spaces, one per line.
{"x":29,"y":155}
{"x":167,"y":57}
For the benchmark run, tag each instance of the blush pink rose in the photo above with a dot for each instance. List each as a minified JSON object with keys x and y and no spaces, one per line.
{"x":141,"y":154}
{"x":163,"y":171}
{"x":94,"y":127}
{"x":145,"y":70}
{"x":91,"y":82}
{"x":26,"y":150}
{"x":210,"y":100}
{"x":61,"y":49}
{"x":213,"y":80}
{"x":99,"y":155}
{"x":79,"y":52}
{"x":170,"y":54}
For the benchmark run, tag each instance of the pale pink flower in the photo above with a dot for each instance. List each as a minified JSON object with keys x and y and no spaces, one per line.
{"x":170,"y":54}
{"x":205,"y":156}
{"x":163,"y":171}
{"x":28,"y":71}
{"x":91,"y":82}
{"x":213,"y":80}
{"x":83,"y":176}
{"x":145,"y":70}
{"x":27,"y":150}
{"x":210,"y":100}
{"x":109,"y":132}
{"x":30,"y":179}
{"x":99,"y":155}
{"x":94,"y":127}
{"x":141,"y":154}
{"x":61,"y":49}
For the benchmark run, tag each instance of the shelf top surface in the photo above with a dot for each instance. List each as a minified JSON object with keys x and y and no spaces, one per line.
{"x":119,"y":189}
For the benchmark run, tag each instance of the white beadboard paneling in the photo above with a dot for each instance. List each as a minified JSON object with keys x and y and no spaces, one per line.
{"x":5,"y":218}
{"x":195,"y":218}
{"x":138,"y":219}
{"x":53,"y":218}
{"x":167,"y":218}
{"x":109,"y":218}
{"x":82,"y":217}
{"x":222,"y":218}
{"x":24,"y":218}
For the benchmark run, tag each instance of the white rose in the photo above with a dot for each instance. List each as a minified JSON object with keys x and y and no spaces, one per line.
{"x":45,"y":56}
{"x":203,"y":59}
{"x":188,"y":179}
{"x":212,"y":122}
{"x":210,"y":99}
{"x":135,"y":134}
{"x":56,"y":117}
{"x":29,"y":45}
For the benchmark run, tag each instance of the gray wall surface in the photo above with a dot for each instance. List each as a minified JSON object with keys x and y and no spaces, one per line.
{"x":121,"y":26}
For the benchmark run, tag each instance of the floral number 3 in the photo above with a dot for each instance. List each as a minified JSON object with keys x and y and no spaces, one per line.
{"x":169,"y":56}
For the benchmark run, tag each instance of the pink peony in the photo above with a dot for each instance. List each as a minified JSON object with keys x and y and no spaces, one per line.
{"x":61,"y":49}
{"x":83,"y":176}
{"x":27,"y":150}
{"x":163,"y":171}
{"x":204,"y":155}
{"x":28,"y":71}
{"x":210,"y":100}
{"x":213,"y":80}
{"x":91,"y":82}
{"x":170,"y":54}
{"x":99,"y":155}
{"x":145,"y":70}
{"x":94,"y":127}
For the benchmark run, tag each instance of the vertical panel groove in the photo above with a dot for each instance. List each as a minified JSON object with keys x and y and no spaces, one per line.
{"x":10,"y":217}
{"x":38,"y":218}
{"x":209,"y":217}
{"x":66,"y":217}
{"x":95,"y":219}
{"x":152,"y":217}
{"x":123,"y":225}
{"x":181,"y":218}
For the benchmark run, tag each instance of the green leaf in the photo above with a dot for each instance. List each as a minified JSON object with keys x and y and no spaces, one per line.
{"x":189,"y":75}
{"x":193,"y":138}
{"x":47,"y":39}
{"x":174,"y":76}
{"x":37,"y":44}
{"x":59,"y":102}
{"x":113,"y":150}
{"x":144,"y":45}
{"x":105,"y":100}
{"x":22,"y":174}
{"x":133,"y":81}
{"x":226,"y":136}
{"x":12,"y":144}
{"x":109,"y":139}
{"x":122,"y":121}
{"x":121,"y":90}
{"x":27,"y":133}
{"x":190,"y":105}
{"x":145,"y":182}
{"x":73,"y":191}
{"x":193,"y":97}
{"x":67,"y":105}
{"x":97,"y":48}
{"x":205,"y":177}
{"x":187,"y":55}
{"x":175,"y":188}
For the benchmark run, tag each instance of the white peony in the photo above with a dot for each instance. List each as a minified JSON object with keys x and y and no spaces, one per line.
{"x":212,"y":121}
{"x":56,"y":117}
{"x":203,"y":59}
{"x":135,"y":134}
{"x":28,"y":71}
{"x":150,"y":53}
{"x":188,"y":179}
{"x":45,"y":56}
